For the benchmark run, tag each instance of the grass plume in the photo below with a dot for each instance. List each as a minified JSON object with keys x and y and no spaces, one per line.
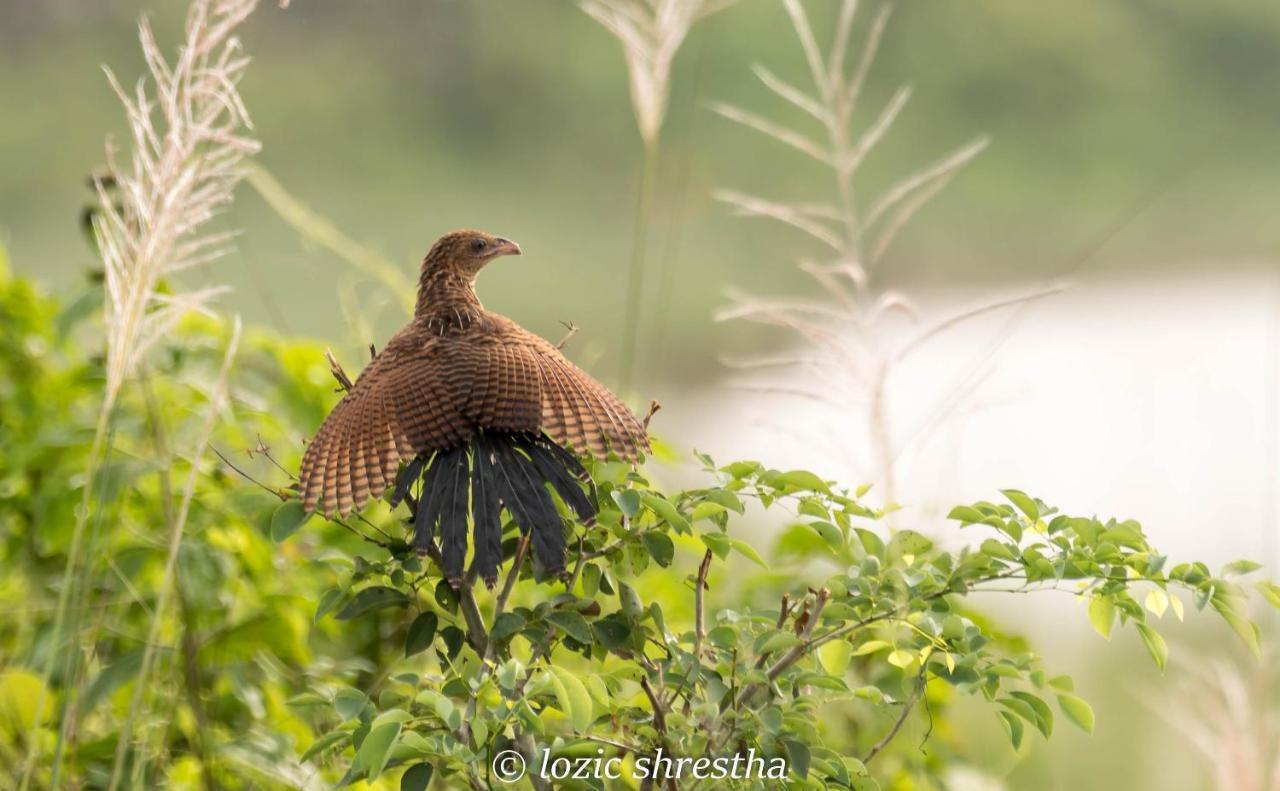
{"x":651,"y":33}
{"x":848,"y":357}
{"x":188,"y":131}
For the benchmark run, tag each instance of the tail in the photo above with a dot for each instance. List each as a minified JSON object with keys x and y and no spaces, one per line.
{"x":482,"y":477}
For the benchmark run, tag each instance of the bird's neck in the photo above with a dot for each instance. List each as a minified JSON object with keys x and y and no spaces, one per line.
{"x":448,"y":296}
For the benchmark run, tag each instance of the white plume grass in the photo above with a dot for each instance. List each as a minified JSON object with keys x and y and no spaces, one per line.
{"x":188,"y":133}
{"x":850,"y":363}
{"x":651,"y":33}
{"x":189,"y":144}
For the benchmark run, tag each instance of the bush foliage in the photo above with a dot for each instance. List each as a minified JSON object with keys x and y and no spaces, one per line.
{"x":307,"y":653}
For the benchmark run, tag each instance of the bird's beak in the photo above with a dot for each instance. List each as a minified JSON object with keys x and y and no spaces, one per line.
{"x":507,"y":247}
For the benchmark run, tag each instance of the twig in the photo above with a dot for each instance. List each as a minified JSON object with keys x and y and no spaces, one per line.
{"x":335,"y":368}
{"x":699,"y":622}
{"x":263,"y":449}
{"x":907,"y":706}
{"x":498,"y":608}
{"x":654,"y":406}
{"x":659,"y":713}
{"x":572,"y":331}
{"x":282,"y":494}
{"x":791,"y":656}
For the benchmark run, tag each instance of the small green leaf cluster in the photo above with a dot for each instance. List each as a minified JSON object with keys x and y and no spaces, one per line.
{"x":609,"y":661}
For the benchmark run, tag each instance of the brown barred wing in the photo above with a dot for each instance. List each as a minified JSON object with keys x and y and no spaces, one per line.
{"x":580,"y":412}
{"x":401,"y":406}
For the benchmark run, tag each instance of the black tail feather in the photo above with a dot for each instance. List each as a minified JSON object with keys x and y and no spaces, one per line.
{"x":497,"y":471}
{"x":553,"y":471}
{"x":453,"y":514}
{"x":429,"y":497}
{"x":486,"y":509}
{"x":407,"y":478}
{"x":540,"y":518}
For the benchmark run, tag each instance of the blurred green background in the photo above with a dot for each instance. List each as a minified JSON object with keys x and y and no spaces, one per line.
{"x":1137,"y":138}
{"x":400,"y":120}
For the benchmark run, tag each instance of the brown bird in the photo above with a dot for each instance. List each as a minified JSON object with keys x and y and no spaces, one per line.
{"x":480,"y":411}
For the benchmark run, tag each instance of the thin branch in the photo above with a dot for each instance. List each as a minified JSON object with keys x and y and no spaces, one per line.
{"x":338,"y":372}
{"x":699,"y":620}
{"x":907,"y":706}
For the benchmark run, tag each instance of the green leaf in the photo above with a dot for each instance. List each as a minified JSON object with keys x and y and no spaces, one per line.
{"x":325,"y":742}
{"x":1078,"y":711}
{"x":1102,"y":614}
{"x":628,"y":501}
{"x":286,"y":520}
{"x":706,"y":510}
{"x":1155,"y":645}
{"x":1270,"y":591}
{"x":659,"y":546}
{"x":1024,"y":503}
{"x":1156,"y":601}
{"x":726,"y":636}
{"x":1013,"y":726}
{"x":421,"y":633}
{"x":1043,"y":714}
{"x":573,"y":696}
{"x":779,"y":641}
{"x":328,"y":600}
{"x":909,"y":542}
{"x":803,"y":479}
{"x":417,"y":778}
{"x":747,"y":551}
{"x":798,"y":753}
{"x":835,"y":656}
{"x":505,"y":625}
{"x":831,"y":534}
{"x":372,"y":755}
{"x":612,"y":633}
{"x":109,"y":680}
{"x":1240,"y":567}
{"x":572,"y":624}
{"x":632,"y":606}
{"x":966,"y":514}
{"x":590,"y":580}
{"x":901,"y":658}
{"x":1230,"y":605}
{"x":349,"y":702}
{"x":717,"y":543}
{"x":664,"y":509}
{"x":377,"y":597}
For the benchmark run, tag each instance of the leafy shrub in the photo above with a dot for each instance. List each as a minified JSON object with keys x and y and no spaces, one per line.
{"x":303,"y":654}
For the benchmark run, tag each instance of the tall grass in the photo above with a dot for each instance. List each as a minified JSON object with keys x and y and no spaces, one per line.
{"x":188,"y":135}
{"x":651,"y":33}
{"x":848,"y":357}
{"x":1226,"y":717}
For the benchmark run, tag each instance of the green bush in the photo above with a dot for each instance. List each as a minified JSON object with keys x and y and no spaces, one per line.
{"x":301,"y":654}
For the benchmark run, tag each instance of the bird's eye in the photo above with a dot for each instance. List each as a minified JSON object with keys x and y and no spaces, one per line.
{"x":478,"y":244}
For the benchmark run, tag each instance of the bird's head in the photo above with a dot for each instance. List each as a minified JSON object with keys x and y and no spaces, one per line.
{"x":466,"y":252}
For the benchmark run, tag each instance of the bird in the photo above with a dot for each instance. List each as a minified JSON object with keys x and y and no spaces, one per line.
{"x":480,"y":412}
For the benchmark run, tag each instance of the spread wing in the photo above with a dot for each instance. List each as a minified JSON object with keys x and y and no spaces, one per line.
{"x":424,"y":395}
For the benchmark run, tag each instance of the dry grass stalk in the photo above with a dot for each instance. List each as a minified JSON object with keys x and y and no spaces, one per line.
{"x":188,"y":148}
{"x":651,"y":32}
{"x":218,"y":401}
{"x":853,"y":362}
{"x":1226,"y":718}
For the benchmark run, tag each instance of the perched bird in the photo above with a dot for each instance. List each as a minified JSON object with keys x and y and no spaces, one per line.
{"x":481,"y":411}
